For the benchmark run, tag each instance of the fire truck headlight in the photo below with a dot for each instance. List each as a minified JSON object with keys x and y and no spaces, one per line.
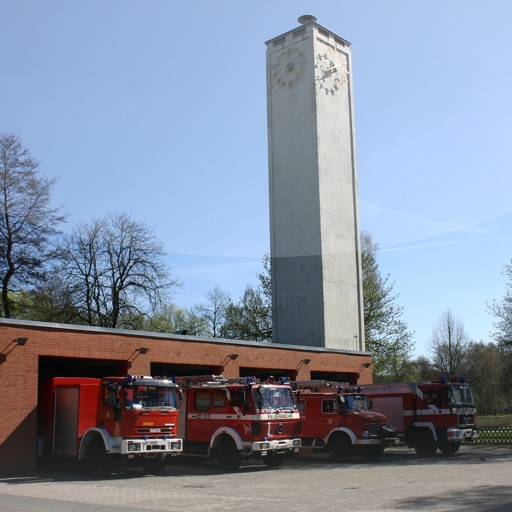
{"x":365,"y":434}
{"x":264,"y":446}
{"x":176,"y":445}
{"x":134,"y":447}
{"x":296,"y":442}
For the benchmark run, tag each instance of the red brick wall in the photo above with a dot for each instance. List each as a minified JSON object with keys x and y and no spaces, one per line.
{"x":19,"y":369}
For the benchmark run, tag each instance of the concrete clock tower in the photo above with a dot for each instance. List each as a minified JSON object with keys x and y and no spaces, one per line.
{"x":314,"y":220}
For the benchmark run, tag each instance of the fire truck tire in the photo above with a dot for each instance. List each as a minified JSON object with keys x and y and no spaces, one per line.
{"x":425,"y":444}
{"x":273,"y":460}
{"x":154,"y":466}
{"x":97,"y":462}
{"x":340,"y":448}
{"x":449,"y":448}
{"x":228,"y":456}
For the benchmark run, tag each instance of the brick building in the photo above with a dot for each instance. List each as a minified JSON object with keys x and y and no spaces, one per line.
{"x":31,"y":351}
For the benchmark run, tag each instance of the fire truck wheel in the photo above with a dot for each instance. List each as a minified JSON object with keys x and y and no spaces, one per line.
{"x":97,"y":463}
{"x":340,"y":448}
{"x":154,"y":466}
{"x":449,"y":448}
{"x":425,"y":444}
{"x":228,"y":456}
{"x":273,"y":460}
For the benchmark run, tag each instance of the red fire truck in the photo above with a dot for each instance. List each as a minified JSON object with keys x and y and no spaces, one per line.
{"x":428,"y":415}
{"x":338,"y":418}
{"x":109,"y":422}
{"x":233,"y":420}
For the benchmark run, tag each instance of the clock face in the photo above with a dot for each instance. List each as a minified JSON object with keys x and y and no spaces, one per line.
{"x":331,"y":70}
{"x":287,"y":67}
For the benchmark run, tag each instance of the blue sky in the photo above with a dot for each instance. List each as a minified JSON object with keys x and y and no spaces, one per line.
{"x":158,"y":109}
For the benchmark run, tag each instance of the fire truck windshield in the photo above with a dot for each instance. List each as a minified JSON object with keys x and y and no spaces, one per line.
{"x":149,"y":397}
{"x":273,"y":397}
{"x":459,"y":396}
{"x":355,"y":403}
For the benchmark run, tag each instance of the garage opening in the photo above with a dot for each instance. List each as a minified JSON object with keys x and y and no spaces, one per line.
{"x":77,"y":367}
{"x":66,"y":367}
{"x":351,"y":378}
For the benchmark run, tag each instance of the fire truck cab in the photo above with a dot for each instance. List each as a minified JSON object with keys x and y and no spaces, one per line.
{"x":228,"y":421}
{"x":428,"y":415}
{"x":338,"y":418}
{"x":109,"y":422}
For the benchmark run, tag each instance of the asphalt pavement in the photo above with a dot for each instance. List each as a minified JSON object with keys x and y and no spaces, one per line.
{"x":477,"y":478}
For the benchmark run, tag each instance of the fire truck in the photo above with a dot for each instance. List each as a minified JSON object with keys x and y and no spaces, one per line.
{"x":338,"y":418}
{"x":229,"y":421}
{"x":109,"y":422}
{"x":428,"y":415}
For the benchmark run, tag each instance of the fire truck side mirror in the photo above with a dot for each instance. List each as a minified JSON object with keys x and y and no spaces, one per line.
{"x":180,"y":396}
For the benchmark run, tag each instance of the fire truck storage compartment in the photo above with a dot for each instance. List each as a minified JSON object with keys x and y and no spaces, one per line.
{"x":65,"y":421}
{"x":392,"y":407}
{"x":71,"y":406}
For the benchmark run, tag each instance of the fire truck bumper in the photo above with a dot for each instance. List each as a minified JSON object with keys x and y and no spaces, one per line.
{"x":457,"y":435}
{"x":280,"y":445}
{"x":383,"y":435}
{"x":146,"y":446}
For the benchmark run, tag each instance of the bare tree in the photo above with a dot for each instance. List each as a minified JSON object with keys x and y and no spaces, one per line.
{"x":213,"y":311}
{"x":116,"y":272}
{"x":27,"y":222}
{"x":450,"y":346}
{"x":503,"y":312}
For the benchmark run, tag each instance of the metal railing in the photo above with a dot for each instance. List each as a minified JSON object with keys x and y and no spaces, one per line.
{"x":494,"y":435}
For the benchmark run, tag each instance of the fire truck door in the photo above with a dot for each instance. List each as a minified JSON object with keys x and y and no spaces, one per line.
{"x":65,"y":419}
{"x":207,"y":412}
{"x":109,"y":409}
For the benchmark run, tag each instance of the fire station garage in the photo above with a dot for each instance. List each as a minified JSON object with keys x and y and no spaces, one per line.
{"x":33,"y":351}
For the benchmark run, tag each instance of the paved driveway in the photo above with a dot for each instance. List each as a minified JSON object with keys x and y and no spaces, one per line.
{"x":475,"y":479}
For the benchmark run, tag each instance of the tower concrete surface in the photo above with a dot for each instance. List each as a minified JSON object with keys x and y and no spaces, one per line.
{"x":314,"y":220}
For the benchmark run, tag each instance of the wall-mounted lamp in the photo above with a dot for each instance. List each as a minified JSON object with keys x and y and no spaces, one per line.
{"x":18,"y":342}
{"x":302,"y":362}
{"x":136,"y":353}
{"x":363,"y":365}
{"x":229,"y":357}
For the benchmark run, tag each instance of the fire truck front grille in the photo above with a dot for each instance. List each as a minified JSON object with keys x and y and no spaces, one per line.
{"x":382,"y":431}
{"x":148,"y":431}
{"x":466,"y":419}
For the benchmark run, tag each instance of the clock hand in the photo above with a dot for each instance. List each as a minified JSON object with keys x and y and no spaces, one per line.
{"x":333,"y":67}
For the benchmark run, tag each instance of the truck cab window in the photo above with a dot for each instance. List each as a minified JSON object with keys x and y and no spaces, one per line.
{"x":329,"y":406}
{"x":202,"y":400}
{"x":219,"y":398}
